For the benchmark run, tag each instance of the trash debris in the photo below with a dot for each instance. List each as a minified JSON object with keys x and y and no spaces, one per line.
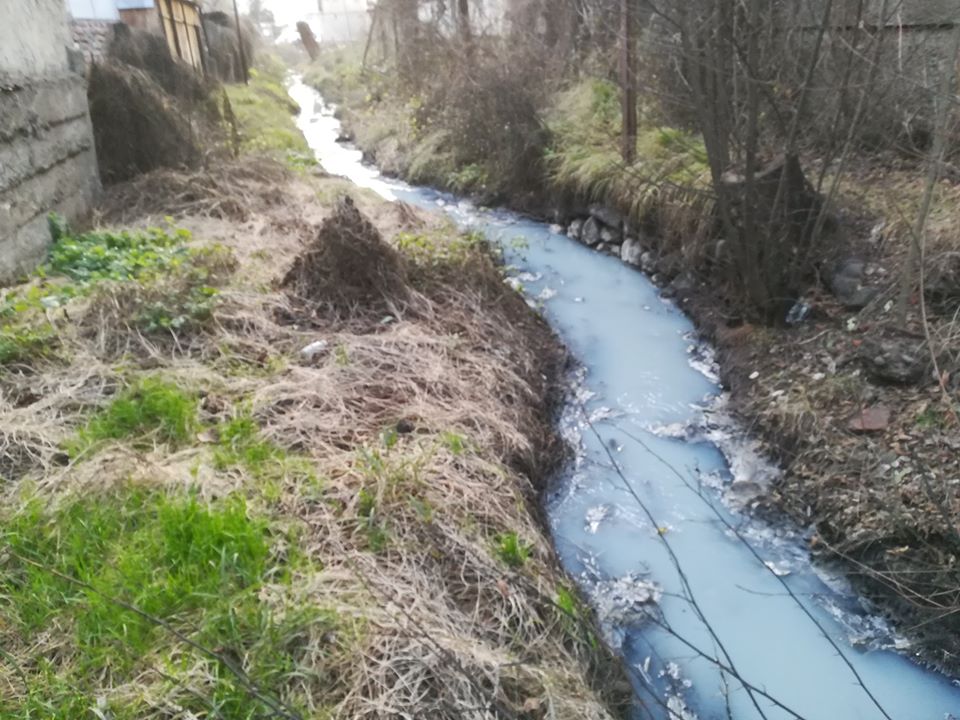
{"x":314,"y":350}
{"x":799,"y":312}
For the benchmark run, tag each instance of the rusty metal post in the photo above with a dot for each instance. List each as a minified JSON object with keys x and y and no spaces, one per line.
{"x":628,"y":87}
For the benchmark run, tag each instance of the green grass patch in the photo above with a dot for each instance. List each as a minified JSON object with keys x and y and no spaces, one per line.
{"x":197,"y":566}
{"x":241,"y":444}
{"x":265,"y":114}
{"x":80,"y":263}
{"x":584,"y":152}
{"x":23,"y":342}
{"x":512,"y":550}
{"x":149,"y":412}
{"x":370,"y":523}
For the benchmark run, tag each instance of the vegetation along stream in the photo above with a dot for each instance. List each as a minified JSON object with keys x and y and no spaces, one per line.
{"x":717,"y":614}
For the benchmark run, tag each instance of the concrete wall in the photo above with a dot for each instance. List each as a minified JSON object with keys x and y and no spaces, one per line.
{"x":47,"y":157}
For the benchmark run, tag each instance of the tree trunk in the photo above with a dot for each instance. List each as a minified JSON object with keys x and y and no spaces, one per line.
{"x":463,"y":23}
{"x":628,"y":87}
{"x":406,"y":15}
{"x":942,"y":100}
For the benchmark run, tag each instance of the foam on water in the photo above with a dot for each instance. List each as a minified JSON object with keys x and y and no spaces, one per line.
{"x":651,"y":491}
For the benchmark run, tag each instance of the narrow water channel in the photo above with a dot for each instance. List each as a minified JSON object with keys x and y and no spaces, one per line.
{"x":719,"y":616}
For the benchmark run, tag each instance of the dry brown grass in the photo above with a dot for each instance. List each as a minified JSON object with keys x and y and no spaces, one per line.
{"x":227,"y":190}
{"x":431,"y":438}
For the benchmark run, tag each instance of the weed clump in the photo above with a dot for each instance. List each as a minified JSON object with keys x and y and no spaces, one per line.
{"x":228,"y":191}
{"x":240,"y":444}
{"x":138,"y":126}
{"x":584,"y":155}
{"x":512,"y":550}
{"x":348,"y":269}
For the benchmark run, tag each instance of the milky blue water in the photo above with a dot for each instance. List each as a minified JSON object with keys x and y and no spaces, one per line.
{"x":640,"y":516}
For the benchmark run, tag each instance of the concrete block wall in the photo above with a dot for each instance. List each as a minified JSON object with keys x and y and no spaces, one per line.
{"x":47,"y":156}
{"x":92,"y":38}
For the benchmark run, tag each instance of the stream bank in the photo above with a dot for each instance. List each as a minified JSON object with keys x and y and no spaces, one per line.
{"x":269,"y":447}
{"x":621,"y":519}
{"x":877,"y":498}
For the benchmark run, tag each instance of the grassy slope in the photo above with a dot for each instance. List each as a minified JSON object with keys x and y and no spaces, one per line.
{"x":196,"y":522}
{"x":265,"y":113}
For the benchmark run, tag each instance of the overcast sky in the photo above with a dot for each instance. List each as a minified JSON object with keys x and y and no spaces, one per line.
{"x":285,"y":11}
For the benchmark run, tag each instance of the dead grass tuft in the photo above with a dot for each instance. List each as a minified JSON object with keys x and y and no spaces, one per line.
{"x":227,"y":191}
{"x":349,"y":270}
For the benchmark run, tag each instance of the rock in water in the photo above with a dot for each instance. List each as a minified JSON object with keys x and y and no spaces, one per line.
{"x":647,"y":262}
{"x":591,"y":233}
{"x":607,"y":216}
{"x":575,"y":231}
{"x":610,"y":236}
{"x":631,"y":252}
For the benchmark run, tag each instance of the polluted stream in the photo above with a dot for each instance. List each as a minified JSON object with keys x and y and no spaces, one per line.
{"x":716,"y":614}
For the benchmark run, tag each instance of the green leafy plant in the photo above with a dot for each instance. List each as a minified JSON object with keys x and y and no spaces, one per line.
{"x":107,"y":255}
{"x":21,"y":343}
{"x":441,"y":248}
{"x":178,"y":311}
